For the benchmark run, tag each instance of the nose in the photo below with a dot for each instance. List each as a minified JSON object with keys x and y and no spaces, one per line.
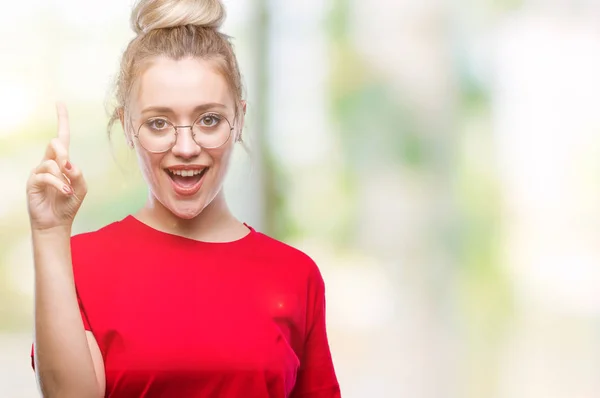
{"x":185,"y":146}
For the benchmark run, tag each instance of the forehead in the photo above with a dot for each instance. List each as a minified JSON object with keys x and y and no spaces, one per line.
{"x":181,"y":85}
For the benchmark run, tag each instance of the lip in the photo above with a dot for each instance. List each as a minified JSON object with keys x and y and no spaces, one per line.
{"x":189,"y":191}
{"x":186,"y":167}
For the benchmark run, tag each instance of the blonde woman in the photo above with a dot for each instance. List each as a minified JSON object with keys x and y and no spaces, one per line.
{"x":179,"y":299}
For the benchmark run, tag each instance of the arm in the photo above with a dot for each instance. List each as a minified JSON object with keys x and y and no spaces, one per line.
{"x":316,"y":376}
{"x":67,"y":359}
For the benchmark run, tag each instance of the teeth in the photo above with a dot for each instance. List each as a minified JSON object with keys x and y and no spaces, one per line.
{"x":186,"y":173}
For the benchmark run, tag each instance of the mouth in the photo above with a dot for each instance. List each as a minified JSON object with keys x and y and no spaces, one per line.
{"x":186,"y":182}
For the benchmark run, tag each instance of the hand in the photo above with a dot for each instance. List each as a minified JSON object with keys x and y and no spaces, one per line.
{"x":56,"y":188}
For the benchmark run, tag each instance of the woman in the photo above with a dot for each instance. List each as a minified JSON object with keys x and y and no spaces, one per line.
{"x":180,"y":299}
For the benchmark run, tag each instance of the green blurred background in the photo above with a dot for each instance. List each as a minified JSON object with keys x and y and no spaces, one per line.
{"x":438,"y":159}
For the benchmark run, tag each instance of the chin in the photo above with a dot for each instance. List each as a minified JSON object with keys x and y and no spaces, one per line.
{"x":186,"y":207}
{"x":186,"y":211}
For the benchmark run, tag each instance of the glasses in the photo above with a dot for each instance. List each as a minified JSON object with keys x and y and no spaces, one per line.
{"x":210,"y":130}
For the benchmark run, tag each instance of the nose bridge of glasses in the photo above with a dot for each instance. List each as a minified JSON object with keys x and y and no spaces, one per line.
{"x":192,"y":137}
{"x":192,"y":133}
{"x":191,"y":127}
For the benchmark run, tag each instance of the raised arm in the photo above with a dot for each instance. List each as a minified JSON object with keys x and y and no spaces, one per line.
{"x":67,"y":359}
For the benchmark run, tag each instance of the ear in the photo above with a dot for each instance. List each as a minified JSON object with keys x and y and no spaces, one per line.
{"x":128,"y":136}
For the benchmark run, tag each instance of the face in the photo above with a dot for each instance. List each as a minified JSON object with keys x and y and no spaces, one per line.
{"x":186,"y":178}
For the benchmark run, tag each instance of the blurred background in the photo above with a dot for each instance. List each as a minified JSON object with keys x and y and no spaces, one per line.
{"x":440,"y":160}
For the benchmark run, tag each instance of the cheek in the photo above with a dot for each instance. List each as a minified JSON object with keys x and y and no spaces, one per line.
{"x":220,"y":168}
{"x":222,"y":157}
{"x":149,"y":165}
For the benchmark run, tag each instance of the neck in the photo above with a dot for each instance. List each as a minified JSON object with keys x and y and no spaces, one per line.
{"x":215,"y":223}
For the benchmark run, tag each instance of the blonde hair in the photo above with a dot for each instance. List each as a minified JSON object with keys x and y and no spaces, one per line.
{"x":176,"y":29}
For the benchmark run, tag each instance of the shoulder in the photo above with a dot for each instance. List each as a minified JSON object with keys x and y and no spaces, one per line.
{"x":294,"y":259}
{"x":101,"y":235}
{"x":99,"y":243}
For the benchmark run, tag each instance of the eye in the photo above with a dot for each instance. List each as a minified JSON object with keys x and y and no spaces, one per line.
{"x":157,"y":124}
{"x":209,"y":120}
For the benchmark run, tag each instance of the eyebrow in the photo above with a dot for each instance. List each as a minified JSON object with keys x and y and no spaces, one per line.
{"x":199,"y":108}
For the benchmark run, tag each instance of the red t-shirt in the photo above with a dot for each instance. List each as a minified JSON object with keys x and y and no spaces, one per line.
{"x":175,"y":317}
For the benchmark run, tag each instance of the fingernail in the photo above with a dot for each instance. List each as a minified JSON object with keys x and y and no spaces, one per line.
{"x":67,"y":189}
{"x":68,"y":165}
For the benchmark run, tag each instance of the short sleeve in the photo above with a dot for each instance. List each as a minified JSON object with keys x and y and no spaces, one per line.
{"x":316,"y":376}
{"x":86,"y":326}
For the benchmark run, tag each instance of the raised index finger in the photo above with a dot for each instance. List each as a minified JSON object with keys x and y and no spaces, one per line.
{"x":64,"y":134}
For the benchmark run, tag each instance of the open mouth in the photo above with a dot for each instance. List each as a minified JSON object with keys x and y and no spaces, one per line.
{"x":186,"y":182}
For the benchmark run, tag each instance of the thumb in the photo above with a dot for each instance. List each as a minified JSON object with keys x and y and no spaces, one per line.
{"x":76,"y":179}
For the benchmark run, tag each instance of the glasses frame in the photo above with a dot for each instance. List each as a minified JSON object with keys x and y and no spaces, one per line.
{"x":191,"y":127}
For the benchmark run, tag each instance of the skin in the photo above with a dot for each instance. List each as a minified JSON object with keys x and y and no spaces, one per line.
{"x":55,"y":191}
{"x":181,"y":86}
{"x":68,"y":359}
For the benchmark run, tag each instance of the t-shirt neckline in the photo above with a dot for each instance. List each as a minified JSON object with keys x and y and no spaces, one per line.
{"x":146,"y":229}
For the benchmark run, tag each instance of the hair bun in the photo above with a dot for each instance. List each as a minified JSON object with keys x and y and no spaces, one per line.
{"x":157,"y":14}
